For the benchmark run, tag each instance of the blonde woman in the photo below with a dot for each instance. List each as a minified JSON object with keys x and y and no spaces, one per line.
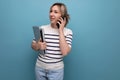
{"x":57,"y":44}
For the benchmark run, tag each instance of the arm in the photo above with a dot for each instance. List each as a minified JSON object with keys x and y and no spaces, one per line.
{"x":64,"y":47}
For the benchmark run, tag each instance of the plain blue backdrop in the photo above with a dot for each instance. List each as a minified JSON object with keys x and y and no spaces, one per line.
{"x":95,"y":51}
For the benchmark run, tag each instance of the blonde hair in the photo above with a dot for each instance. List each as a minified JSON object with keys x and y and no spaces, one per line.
{"x":63,"y":10}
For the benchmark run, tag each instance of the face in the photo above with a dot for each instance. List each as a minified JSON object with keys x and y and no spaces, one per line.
{"x":54,"y":14}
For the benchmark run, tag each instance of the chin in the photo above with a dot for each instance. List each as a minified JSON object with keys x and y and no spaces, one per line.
{"x":53,"y":22}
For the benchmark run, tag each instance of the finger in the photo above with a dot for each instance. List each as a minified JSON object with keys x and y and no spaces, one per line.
{"x":39,"y":40}
{"x":64,"y":20}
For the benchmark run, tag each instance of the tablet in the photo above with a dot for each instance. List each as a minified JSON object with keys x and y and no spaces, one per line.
{"x":38,"y":33}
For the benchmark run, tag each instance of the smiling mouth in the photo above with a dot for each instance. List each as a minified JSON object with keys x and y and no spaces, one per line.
{"x":52,"y":18}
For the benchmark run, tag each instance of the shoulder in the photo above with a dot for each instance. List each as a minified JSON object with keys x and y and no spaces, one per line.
{"x":44,"y":26}
{"x":47,"y":29}
{"x":68,"y":31}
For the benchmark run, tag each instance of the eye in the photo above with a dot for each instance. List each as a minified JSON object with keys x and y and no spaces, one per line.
{"x":50,"y":11}
{"x":55,"y":11}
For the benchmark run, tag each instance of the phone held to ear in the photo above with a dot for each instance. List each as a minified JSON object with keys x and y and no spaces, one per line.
{"x":58,"y":23}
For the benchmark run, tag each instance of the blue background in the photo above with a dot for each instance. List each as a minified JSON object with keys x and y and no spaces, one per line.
{"x":95,"y":51}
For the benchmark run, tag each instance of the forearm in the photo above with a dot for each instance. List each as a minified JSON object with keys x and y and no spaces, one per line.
{"x":64,"y":47}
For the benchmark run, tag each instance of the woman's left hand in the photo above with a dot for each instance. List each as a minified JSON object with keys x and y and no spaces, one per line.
{"x":62,"y":24}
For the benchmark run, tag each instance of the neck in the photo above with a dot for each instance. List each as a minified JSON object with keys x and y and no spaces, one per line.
{"x":53,"y":26}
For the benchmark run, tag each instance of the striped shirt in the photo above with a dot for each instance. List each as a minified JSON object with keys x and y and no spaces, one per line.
{"x":53,"y":58}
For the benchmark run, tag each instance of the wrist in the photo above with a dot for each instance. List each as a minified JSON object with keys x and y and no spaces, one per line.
{"x":60,"y":31}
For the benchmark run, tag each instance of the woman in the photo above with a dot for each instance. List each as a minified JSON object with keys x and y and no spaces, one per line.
{"x":57,"y":44}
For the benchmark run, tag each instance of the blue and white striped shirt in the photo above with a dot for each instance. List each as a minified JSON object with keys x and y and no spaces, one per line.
{"x":53,"y":54}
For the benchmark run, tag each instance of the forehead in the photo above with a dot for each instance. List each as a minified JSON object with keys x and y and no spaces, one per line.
{"x":55,"y":7}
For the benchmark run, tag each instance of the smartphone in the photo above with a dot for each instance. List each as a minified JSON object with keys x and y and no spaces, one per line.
{"x":42,"y":39}
{"x":59,"y":22}
{"x":42,"y":35}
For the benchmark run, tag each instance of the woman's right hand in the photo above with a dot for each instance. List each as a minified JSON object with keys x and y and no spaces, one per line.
{"x":38,"y":45}
{"x":42,"y":45}
{"x":34,"y":45}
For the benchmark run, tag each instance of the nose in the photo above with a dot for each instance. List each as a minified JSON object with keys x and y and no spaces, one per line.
{"x":51,"y":14}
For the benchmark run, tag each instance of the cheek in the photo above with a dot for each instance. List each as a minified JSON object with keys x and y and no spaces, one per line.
{"x":58,"y":16}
